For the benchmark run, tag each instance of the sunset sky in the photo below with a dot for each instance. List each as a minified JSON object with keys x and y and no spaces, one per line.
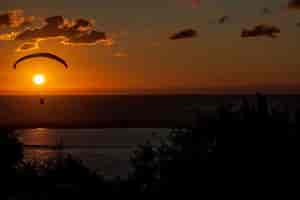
{"x":159,"y":46}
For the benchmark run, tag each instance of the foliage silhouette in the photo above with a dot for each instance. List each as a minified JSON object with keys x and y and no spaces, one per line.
{"x":11,"y":150}
{"x":182,"y":163}
{"x":185,"y":161}
{"x":250,"y":133}
{"x":63,"y":177}
{"x":11,"y":154}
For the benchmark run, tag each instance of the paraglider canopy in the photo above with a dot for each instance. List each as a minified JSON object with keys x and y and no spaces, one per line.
{"x":39,"y":79}
{"x":41,"y":55}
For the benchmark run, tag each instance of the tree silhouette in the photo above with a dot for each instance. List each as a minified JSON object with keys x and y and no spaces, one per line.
{"x":11,"y":150}
{"x":185,"y":162}
{"x":11,"y":154}
{"x":251,"y":134}
{"x":182,"y":163}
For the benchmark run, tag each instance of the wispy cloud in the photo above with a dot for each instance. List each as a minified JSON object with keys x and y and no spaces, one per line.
{"x":261,"y":30}
{"x":223,"y":19}
{"x":28,"y":46}
{"x":184,"y":34}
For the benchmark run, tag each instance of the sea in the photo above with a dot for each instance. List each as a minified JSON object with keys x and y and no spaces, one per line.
{"x":106,"y":151}
{"x":103,"y":131}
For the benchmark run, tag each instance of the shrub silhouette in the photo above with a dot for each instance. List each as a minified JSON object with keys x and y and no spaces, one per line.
{"x":185,"y":162}
{"x":11,"y":154}
{"x":62,"y":177}
{"x":174,"y":165}
{"x":11,"y":150}
{"x":260,"y":131}
{"x":65,"y":170}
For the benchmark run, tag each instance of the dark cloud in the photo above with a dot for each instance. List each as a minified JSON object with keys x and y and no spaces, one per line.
{"x":83,"y":25}
{"x":4,"y":20}
{"x":78,"y":32}
{"x":87,"y":38}
{"x":223,"y":19}
{"x":184,"y":34}
{"x":51,"y":29}
{"x":294,"y":4}
{"x":261,"y":30}
{"x":72,"y":32}
{"x":15,"y":19}
{"x":28,"y":46}
{"x":55,"y":21}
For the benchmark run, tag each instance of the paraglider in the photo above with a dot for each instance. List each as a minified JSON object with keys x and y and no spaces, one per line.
{"x":41,"y":55}
{"x":39,"y":79}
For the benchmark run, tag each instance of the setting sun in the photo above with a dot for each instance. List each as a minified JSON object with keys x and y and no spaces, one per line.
{"x":38,"y":79}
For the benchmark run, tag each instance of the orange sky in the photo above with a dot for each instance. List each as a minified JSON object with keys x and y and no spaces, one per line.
{"x":142,"y":58}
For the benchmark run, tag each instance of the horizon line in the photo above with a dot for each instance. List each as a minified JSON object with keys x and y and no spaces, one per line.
{"x":154,"y":92}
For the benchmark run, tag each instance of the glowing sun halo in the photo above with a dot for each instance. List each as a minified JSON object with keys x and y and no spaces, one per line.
{"x":38,"y":79}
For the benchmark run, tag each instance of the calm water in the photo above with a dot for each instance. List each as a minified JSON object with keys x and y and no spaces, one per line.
{"x":107,"y":150}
